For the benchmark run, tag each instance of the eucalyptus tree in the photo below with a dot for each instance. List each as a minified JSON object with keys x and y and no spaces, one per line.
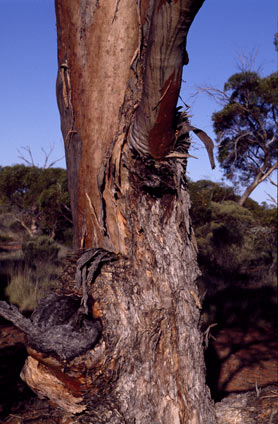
{"x":120,"y":68}
{"x":246,"y":129}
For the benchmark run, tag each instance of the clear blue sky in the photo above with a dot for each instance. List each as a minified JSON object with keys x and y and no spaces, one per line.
{"x":28,"y":109}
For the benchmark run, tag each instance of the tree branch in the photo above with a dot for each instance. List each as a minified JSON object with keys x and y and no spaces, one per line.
{"x":269,"y":172}
{"x":218,"y":95}
{"x":259,"y":179}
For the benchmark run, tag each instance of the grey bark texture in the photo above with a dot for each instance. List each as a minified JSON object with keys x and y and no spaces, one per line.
{"x":56,"y":327}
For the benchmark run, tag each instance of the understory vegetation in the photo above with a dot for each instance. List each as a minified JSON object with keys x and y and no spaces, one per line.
{"x":30,"y":270}
{"x":35,"y":232}
{"x":237,"y":256}
{"x":236,"y":244}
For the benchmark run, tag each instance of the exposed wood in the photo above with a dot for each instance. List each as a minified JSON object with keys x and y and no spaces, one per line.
{"x":44,"y":382}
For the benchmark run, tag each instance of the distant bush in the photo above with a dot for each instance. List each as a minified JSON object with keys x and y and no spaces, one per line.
{"x":236,"y":244}
{"x":40,"y":249}
{"x":4,"y":238}
{"x":237,"y":254}
{"x":11,"y":228}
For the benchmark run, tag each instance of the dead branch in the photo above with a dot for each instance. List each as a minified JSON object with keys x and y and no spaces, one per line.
{"x":246,"y":62}
{"x":208,"y":335}
{"x":30,"y":161}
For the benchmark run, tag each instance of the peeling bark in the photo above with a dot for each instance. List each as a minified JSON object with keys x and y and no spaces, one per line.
{"x":120,"y":73}
{"x":120,"y":65}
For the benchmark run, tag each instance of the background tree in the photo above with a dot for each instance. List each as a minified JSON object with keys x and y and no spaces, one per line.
{"x":246,"y":129}
{"x":120,"y":67}
{"x":275,"y":42}
{"x":25,"y":155}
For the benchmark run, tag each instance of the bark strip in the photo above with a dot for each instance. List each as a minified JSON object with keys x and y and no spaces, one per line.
{"x":163,"y":56}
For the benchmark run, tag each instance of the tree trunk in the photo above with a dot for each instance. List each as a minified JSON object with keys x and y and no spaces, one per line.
{"x":260,"y":177}
{"x":247,"y":192}
{"x":120,"y":67}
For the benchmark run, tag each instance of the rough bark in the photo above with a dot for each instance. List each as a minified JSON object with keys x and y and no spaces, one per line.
{"x":249,"y":408}
{"x":120,"y":65}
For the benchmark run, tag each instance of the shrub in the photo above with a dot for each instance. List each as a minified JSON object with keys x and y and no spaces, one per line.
{"x":40,"y":249}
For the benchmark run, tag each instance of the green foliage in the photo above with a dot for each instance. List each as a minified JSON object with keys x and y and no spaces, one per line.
{"x":222,"y":239}
{"x":202,"y":193}
{"x":247,"y":126}
{"x":11,"y":228}
{"x":234,"y":242}
{"x":36,"y":196}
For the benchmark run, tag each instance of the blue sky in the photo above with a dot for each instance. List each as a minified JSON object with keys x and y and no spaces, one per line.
{"x":29,"y":116}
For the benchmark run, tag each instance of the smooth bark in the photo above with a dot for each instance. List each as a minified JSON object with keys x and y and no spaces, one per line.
{"x":262,"y":176}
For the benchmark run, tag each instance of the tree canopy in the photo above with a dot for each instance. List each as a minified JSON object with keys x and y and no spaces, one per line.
{"x":246,"y":129}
